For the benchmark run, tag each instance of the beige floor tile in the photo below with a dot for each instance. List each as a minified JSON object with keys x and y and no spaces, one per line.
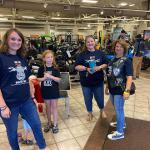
{"x":90,"y":126}
{"x":80,"y":112}
{"x":49,"y":138}
{"x":4,"y":146}
{"x":84,"y":119}
{"x":129,"y":114}
{"x":72,"y":121}
{"x":2,"y":128}
{"x":82,"y":140}
{"x":142,"y":116}
{"x":53,"y":147}
{"x":61,"y":125}
{"x":145,"y":110}
{"x":27,"y":147}
{"x":142,"y":105}
{"x":79,"y":130}
{"x":69,"y":145}
{"x":63,"y":135}
{"x":129,"y":108}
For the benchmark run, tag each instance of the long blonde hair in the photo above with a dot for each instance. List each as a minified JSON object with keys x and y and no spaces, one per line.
{"x":49,"y":52}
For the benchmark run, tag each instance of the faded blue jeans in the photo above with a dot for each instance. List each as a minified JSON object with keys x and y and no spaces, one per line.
{"x":98,"y":92}
{"x":118,"y":102}
{"x":29,"y":112}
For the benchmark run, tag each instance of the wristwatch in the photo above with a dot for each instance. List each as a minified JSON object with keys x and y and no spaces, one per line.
{"x":127,"y":90}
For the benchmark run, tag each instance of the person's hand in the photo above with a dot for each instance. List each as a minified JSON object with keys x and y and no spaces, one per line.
{"x":97,"y":68}
{"x":35,"y":102}
{"x":48,"y":76}
{"x":84,"y":68}
{"x":6,"y":113}
{"x":126,"y":95}
{"x":89,"y":70}
{"x":45,"y":76}
{"x":106,"y":91}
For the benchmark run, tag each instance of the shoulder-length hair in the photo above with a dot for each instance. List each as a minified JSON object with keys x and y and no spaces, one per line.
{"x":123,"y":43}
{"x":49,"y":52}
{"x":5,"y":47}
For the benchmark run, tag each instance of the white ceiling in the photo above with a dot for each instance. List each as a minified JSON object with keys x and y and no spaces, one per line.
{"x":77,"y":12}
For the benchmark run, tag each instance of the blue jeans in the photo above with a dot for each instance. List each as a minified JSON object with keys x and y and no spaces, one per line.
{"x":98,"y":92}
{"x":118,"y":102}
{"x":29,"y":112}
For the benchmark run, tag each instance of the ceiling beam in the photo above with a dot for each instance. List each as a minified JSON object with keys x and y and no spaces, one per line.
{"x":75,"y":10}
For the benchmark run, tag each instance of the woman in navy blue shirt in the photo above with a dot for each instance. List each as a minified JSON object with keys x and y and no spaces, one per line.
{"x":119,"y":77}
{"x":90,"y":64}
{"x":15,"y":95}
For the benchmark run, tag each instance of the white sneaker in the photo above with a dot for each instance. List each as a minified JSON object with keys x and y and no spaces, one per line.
{"x":114,"y":124}
{"x":115,"y":136}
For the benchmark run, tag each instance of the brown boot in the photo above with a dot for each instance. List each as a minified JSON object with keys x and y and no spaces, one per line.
{"x":90,"y":117}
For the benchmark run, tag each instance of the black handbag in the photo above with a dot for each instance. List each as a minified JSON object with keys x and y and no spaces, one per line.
{"x":133,"y":88}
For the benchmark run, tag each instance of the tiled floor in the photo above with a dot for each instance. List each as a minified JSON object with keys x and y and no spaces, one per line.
{"x":75,"y":130}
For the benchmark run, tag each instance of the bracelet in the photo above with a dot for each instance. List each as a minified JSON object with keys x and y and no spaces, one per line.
{"x":33,"y":98}
{"x":2,"y":109}
{"x":126,"y":93}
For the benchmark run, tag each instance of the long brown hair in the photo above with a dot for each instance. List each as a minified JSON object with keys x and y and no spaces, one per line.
{"x":5,"y":47}
{"x":49,"y":52}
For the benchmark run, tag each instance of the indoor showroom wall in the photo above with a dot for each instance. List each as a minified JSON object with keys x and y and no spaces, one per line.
{"x":28,"y":32}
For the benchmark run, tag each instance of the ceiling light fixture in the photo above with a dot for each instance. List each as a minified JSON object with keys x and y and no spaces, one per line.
{"x":123,"y":4}
{"x":90,"y":1}
{"x":102,"y":12}
{"x":89,"y":25}
{"x":28,"y":17}
{"x":58,"y":14}
{"x":132,"y":5}
{"x":45,"y":5}
{"x":3,"y":19}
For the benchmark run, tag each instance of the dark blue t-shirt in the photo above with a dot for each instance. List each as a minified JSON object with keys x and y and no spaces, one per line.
{"x":86,"y":78}
{"x":14,"y":84}
{"x":125,"y":70}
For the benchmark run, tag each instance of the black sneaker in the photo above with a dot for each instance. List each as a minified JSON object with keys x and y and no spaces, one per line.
{"x":46,"y":128}
{"x":55,"y":129}
{"x":27,"y":142}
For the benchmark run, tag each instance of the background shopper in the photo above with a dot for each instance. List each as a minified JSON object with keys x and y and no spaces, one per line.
{"x":138,"y":57}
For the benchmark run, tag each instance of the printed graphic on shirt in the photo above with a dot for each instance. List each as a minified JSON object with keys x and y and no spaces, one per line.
{"x":116,"y":71}
{"x":49,"y":81}
{"x":92,"y":59}
{"x":20,"y":76}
